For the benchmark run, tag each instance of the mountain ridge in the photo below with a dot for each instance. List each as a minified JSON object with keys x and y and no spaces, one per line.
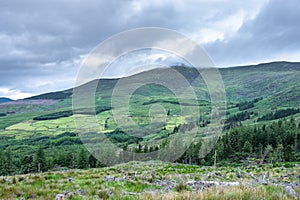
{"x":5,"y":99}
{"x":241,"y":82}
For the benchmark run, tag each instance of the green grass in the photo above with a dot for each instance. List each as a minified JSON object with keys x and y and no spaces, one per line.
{"x":139,"y":181}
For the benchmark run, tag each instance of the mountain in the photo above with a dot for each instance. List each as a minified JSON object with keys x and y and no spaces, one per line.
{"x":277,"y":81}
{"x":262,"y":112}
{"x":264,"y":80}
{"x":4,"y":99}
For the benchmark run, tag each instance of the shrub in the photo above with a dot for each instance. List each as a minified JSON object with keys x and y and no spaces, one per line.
{"x":289,"y":165}
{"x":181,"y":187}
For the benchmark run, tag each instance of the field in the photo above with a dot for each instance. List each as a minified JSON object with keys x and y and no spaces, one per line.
{"x":155,"y":180}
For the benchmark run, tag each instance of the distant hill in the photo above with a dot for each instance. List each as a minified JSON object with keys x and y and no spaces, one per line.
{"x":276,"y":81}
{"x":4,"y":99}
{"x":52,"y":95}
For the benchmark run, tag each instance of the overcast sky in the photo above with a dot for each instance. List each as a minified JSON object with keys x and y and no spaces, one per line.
{"x":42,"y":43}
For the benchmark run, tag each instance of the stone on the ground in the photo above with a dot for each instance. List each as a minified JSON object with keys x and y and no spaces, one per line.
{"x":291,"y":192}
{"x":60,"y":197}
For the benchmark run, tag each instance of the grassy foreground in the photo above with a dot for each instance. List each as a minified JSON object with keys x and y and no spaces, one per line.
{"x":155,"y":180}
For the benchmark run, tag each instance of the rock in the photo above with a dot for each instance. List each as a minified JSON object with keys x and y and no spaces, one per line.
{"x":200,"y":185}
{"x":166,"y":185}
{"x":79,"y":192}
{"x":68,"y":194}
{"x":291,"y":192}
{"x":196,"y":185}
{"x":231,"y":184}
{"x":293,"y":184}
{"x":190,"y":183}
{"x":60,"y":197}
{"x":121,"y":179}
{"x":131,"y":193}
{"x":110,"y":178}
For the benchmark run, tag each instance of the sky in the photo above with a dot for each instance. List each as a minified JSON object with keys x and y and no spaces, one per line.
{"x":43,"y":43}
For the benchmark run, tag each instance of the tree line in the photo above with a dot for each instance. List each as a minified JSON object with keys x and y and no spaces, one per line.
{"x":248,"y":104}
{"x":43,"y":160}
{"x":279,"y":114}
{"x":275,"y":142}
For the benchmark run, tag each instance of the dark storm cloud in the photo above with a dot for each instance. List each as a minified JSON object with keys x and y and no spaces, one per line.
{"x":272,"y":35}
{"x":43,"y":42}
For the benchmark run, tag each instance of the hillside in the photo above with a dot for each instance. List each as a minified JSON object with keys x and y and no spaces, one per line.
{"x":241,"y":83}
{"x":4,"y":99}
{"x":262,"y":112}
{"x":278,"y":84}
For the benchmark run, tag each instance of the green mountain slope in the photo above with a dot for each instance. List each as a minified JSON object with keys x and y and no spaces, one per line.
{"x":256,"y":96}
{"x":278,"y":84}
{"x":278,"y":79}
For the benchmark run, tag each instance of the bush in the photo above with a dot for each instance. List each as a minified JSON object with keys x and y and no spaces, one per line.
{"x":181,"y":187}
{"x":277,"y":164}
{"x":289,"y":165}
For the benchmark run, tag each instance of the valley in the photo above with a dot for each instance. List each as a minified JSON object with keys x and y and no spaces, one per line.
{"x":260,"y":127}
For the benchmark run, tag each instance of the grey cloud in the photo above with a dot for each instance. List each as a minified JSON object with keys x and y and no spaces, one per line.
{"x":44,"y":41}
{"x":273,"y":32}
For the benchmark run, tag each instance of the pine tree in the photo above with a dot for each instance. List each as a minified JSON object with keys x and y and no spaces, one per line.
{"x":40,"y":162}
{"x":280,"y":152}
{"x":247,"y":147}
{"x":92,"y":161}
{"x":3,"y":166}
{"x":268,"y":154}
{"x":9,"y":161}
{"x":82,"y":160}
{"x":146,"y":148}
{"x":70,"y":160}
{"x":27,"y":164}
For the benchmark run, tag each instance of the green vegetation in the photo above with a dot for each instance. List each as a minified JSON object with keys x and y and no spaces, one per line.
{"x":154,"y":180}
{"x":274,"y":143}
{"x":54,"y":95}
{"x":261,"y":128}
{"x":235,"y":119}
{"x":248,"y":104}
{"x":56,"y":115}
{"x":279,"y":114}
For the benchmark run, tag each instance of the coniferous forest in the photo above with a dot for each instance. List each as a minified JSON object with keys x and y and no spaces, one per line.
{"x":276,"y":143}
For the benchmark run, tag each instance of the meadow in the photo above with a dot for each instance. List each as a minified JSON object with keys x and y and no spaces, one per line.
{"x":155,"y":180}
